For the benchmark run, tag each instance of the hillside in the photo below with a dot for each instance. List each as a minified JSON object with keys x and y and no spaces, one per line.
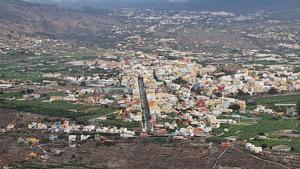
{"x":53,"y":21}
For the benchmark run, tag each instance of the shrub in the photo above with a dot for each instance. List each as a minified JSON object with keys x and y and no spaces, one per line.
{"x":264,"y":146}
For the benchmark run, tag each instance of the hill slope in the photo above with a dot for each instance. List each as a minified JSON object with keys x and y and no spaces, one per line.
{"x":53,"y":21}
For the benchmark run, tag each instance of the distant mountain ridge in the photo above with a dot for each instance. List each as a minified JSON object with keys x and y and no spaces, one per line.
{"x":227,"y":5}
{"x":92,"y":26}
{"x":53,"y":21}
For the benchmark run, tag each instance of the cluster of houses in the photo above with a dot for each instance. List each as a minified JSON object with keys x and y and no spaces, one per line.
{"x":252,"y":148}
{"x":263,"y":109}
{"x":197,"y":94}
{"x":81,"y":131}
{"x":188,"y":95}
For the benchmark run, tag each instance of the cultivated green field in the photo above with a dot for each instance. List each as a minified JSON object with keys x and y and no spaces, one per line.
{"x":278,"y":99}
{"x":78,"y":112}
{"x":264,"y":125}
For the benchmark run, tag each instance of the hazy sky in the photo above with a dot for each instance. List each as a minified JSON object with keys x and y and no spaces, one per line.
{"x":113,"y":1}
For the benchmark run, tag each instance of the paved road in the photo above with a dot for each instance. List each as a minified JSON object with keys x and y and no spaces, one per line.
{"x":145,"y":105}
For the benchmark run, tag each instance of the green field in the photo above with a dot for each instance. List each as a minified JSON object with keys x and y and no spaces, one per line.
{"x":16,"y":95}
{"x":265,"y":125}
{"x":262,"y":126}
{"x":120,"y":123}
{"x":293,"y":143}
{"x":78,"y":112}
{"x":278,"y":99}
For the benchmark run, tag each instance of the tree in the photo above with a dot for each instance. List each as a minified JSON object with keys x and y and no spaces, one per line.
{"x":29,"y":91}
{"x":235,"y":107}
{"x":298,"y":107}
{"x":180,"y":81}
{"x":241,"y":93}
{"x":83,"y":84}
{"x":264,"y":145}
{"x":273,"y":91}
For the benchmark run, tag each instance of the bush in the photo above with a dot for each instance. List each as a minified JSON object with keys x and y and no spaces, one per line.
{"x":293,"y":148}
{"x":298,"y":107}
{"x":180,"y":81}
{"x":264,"y":146}
{"x":272,"y":91}
{"x":234,"y":107}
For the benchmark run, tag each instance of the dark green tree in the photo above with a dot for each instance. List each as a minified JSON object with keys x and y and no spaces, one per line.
{"x":235,"y":107}
{"x":298,"y":107}
{"x":264,"y":146}
{"x":273,"y":91}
